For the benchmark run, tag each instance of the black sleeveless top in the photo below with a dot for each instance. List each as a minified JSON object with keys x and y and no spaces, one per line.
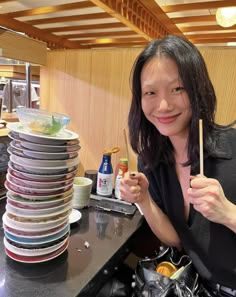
{"x":211,"y":246}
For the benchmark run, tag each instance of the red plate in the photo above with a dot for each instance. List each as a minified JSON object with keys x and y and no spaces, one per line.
{"x":37,"y":259}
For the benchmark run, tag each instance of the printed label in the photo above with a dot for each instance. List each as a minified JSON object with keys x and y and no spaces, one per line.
{"x":104,"y":184}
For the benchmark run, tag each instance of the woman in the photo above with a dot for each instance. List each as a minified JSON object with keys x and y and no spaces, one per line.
{"x":171,"y":92}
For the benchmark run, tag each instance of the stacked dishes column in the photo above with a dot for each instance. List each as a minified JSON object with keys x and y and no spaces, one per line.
{"x":39,"y":185}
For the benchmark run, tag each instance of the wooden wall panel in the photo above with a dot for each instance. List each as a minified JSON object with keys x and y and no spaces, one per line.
{"x":92,"y":87}
{"x":221,"y":64}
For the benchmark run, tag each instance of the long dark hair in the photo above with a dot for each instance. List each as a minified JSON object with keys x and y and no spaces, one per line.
{"x":145,"y":139}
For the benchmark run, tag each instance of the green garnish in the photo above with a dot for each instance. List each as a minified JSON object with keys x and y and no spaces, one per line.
{"x":55,"y":127}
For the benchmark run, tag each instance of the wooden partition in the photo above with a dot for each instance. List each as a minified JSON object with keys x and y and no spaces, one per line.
{"x":221,"y":64}
{"x":92,"y":87}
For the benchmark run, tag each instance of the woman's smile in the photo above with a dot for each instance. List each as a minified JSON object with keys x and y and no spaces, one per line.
{"x":167,"y":119}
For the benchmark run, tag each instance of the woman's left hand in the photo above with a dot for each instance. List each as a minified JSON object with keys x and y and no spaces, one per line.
{"x":207,"y":197}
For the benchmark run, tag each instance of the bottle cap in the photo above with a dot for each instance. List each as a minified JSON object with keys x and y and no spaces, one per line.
{"x":124,"y":161}
{"x":111,"y":151}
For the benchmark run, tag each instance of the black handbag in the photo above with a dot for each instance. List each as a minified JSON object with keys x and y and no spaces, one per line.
{"x":150,"y":283}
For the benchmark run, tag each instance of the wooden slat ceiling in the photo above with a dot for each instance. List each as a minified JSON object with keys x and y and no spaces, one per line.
{"x":115,"y":23}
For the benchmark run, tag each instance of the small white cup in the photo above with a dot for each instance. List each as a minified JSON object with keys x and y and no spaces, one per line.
{"x":82,"y":188}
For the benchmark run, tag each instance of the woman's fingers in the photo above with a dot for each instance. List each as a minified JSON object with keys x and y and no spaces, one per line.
{"x":133,"y":185}
{"x":130,"y":178}
{"x":199,"y":181}
{"x":211,"y":190}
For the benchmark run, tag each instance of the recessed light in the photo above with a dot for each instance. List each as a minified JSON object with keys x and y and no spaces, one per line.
{"x":231,"y":43}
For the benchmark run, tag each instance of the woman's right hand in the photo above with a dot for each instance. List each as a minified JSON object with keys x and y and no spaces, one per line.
{"x":134,"y":187}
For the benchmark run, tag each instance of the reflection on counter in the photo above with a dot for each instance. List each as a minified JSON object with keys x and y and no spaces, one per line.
{"x":118,"y":225}
{"x":102,"y":220}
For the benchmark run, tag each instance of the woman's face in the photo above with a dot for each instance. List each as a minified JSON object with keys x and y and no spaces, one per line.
{"x":165,"y":102}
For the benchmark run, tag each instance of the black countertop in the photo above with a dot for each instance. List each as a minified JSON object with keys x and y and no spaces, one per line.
{"x":79,"y":271}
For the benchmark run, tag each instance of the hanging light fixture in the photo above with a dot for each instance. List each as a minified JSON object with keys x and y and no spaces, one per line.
{"x":226,"y":16}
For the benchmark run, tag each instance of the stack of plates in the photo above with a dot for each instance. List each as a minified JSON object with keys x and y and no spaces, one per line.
{"x":39,"y":185}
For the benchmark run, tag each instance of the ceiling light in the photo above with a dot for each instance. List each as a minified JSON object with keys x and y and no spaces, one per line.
{"x":231,"y":43}
{"x":226,"y":16}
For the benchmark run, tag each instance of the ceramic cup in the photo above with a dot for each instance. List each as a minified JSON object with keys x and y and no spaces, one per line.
{"x":82,"y":188}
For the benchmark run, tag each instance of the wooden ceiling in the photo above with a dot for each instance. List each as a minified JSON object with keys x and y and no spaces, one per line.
{"x":115,"y":23}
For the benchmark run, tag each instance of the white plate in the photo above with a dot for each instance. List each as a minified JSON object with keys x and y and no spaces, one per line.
{"x":21,"y":144}
{"x":33,"y":252}
{"x":44,"y":163}
{"x":63,"y":135}
{"x":40,"y":177}
{"x":35,"y":234}
{"x":37,"y":259}
{"x":37,"y":226}
{"x":23,"y":137}
{"x":38,"y":213}
{"x":41,"y":197}
{"x":37,"y":170}
{"x":75,"y":216}
{"x":53,"y":202}
{"x":26,"y":153}
{"x":35,"y":216}
{"x":38,"y":184}
{"x":34,"y":241}
{"x":45,"y":186}
{"x":37,"y":192}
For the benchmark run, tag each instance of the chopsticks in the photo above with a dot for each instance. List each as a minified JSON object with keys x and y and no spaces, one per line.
{"x":126,"y":146}
{"x":201,"y":147}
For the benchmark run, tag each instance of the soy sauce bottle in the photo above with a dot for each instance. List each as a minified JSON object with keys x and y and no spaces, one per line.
{"x":105,"y":174}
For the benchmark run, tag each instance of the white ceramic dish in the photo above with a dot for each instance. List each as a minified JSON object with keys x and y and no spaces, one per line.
{"x":24,"y":137}
{"x":37,"y":207}
{"x":34,"y":241}
{"x":44,"y":163}
{"x":41,"y":197}
{"x":37,"y":213}
{"x":53,"y":202}
{"x":38,"y":192}
{"x":30,"y":225}
{"x":35,"y":234}
{"x":38,"y":170}
{"x":46,"y":139}
{"x":40,"y":177}
{"x":75,"y":216}
{"x":33,"y":216}
{"x":21,"y":144}
{"x":37,"y":259}
{"x":26,"y":153}
{"x":38,"y":184}
{"x":33,"y":252}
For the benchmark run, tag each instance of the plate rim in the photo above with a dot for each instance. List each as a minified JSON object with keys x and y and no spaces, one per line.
{"x":58,"y":222}
{"x":56,"y":254}
{"x":39,"y":175}
{"x":46,"y":145}
{"x":18,"y":128}
{"x":78,"y":215}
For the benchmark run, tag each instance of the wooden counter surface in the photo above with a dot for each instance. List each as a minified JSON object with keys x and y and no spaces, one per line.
{"x":9,"y":117}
